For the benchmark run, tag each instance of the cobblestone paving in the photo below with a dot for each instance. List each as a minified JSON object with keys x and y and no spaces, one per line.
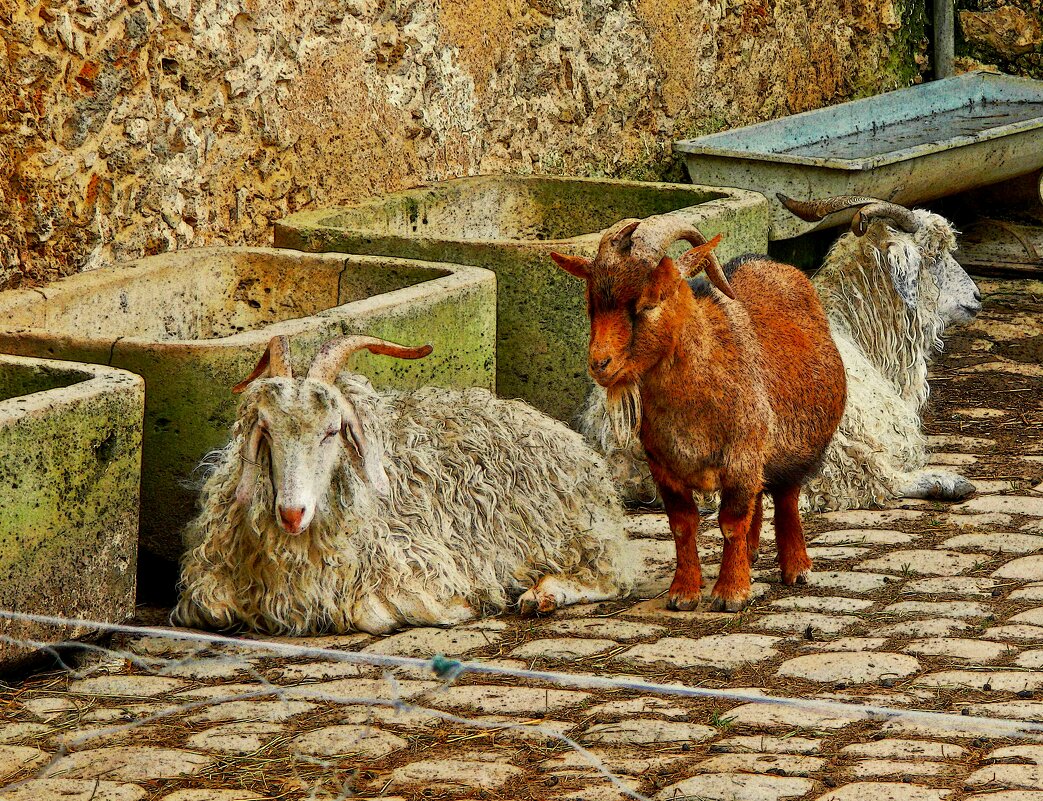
{"x":924,"y":606}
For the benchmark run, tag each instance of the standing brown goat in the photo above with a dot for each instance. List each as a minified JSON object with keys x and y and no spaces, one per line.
{"x":737,"y":389}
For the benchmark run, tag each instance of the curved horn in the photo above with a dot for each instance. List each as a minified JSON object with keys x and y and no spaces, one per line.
{"x":656,"y":234}
{"x":275,"y":362}
{"x":333,"y":354}
{"x":869,"y":208}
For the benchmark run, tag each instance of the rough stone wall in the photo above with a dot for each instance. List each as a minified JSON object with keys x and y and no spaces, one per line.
{"x":1005,"y":33}
{"x":130,"y":127}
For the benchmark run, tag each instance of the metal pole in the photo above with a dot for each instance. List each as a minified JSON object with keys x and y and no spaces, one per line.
{"x":944,"y":34}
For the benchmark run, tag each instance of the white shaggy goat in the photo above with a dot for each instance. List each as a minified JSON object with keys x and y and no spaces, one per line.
{"x":890,"y":287}
{"x":338,"y":508}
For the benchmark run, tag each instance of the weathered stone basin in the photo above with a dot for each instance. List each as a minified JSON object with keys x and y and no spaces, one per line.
{"x":194,"y":322}
{"x":70,"y":464}
{"x":510,"y":224}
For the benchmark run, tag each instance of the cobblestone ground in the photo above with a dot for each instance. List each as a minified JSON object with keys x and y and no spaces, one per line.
{"x":923,"y":606}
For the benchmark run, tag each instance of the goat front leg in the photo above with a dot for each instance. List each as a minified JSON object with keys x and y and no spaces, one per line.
{"x":934,"y":485}
{"x":736,"y":516}
{"x":686,"y":590}
{"x":753,"y":536}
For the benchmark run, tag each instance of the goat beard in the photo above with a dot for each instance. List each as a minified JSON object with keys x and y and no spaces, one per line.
{"x":623,"y":405}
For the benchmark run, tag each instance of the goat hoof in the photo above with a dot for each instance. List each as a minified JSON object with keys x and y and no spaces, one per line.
{"x":719,"y":604}
{"x":683,"y":603}
{"x":798,"y":578}
{"x":534,"y":603}
{"x":754,"y":555}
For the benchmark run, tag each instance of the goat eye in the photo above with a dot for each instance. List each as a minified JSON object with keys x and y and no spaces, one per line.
{"x":330,"y":434}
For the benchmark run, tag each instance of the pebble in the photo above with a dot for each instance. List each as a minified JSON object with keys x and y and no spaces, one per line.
{"x":848,"y":644}
{"x":868,"y":768}
{"x":565,"y":649}
{"x":126,"y":686}
{"x":971,"y":650}
{"x":868,"y":518}
{"x":717,"y":650}
{"x":861,"y":536}
{"x":1027,"y":568}
{"x":884,"y":791}
{"x":426,"y":642}
{"x":933,"y":562}
{"x":1004,"y":504}
{"x":905,"y":749}
{"x":240,"y":738}
{"x":850,"y":668}
{"x":14,"y":758}
{"x":358,"y":742}
{"x":736,"y":787}
{"x":849,"y":581}
{"x":638,"y":707}
{"x":819,"y":624}
{"x":73,"y":790}
{"x":131,"y":763}
{"x":957,"y":609}
{"x":778,"y":716}
{"x":767,"y":744}
{"x":511,"y":700}
{"x":644,"y":731}
{"x":775,"y":764}
{"x":1016,"y":632}
{"x":997,"y":542}
{"x":1028,"y":777}
{"x":950,"y":585}
{"x":1010,"y":681}
{"x":454,"y":775}
{"x":823,"y":603}
{"x":618,"y":630}
{"x":933,"y":627}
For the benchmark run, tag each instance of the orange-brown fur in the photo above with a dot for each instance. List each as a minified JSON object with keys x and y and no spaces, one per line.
{"x":741,"y":396}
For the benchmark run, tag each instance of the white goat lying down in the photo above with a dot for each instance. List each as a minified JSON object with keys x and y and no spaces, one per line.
{"x":337,"y":508}
{"x":889,"y":287}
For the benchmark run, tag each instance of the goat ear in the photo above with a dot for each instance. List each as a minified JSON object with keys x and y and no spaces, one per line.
{"x":573,"y":265}
{"x":249,"y":456}
{"x":693,"y":261}
{"x":372,"y":463}
{"x":904,"y":265}
{"x":661,"y":284}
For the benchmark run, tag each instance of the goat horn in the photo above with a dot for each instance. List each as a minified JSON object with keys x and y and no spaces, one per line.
{"x":656,"y":234}
{"x":274,"y":362}
{"x":333,"y":354}
{"x":869,"y":208}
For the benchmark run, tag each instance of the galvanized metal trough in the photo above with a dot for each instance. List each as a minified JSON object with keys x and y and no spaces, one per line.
{"x":908,"y":146}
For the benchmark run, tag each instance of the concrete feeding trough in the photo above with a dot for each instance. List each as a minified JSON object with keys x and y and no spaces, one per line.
{"x":510,"y":224}
{"x":908,"y":146}
{"x":194,"y":322}
{"x":70,"y":464}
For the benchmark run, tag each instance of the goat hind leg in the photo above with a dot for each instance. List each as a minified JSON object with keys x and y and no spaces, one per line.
{"x":558,"y":590}
{"x":935,"y":485}
{"x":794,"y":562}
{"x":732,"y":589}
{"x":753,"y":536}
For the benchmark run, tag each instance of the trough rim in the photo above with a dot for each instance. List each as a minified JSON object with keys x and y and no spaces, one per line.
{"x":729,"y":198}
{"x":451,"y":276}
{"x":703,"y":146}
{"x":90,"y":381}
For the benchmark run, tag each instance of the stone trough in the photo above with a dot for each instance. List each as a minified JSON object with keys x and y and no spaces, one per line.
{"x":193,"y":323}
{"x":510,"y":224}
{"x":70,"y":461}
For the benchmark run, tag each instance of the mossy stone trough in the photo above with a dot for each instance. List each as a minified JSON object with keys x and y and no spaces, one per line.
{"x":70,"y":464}
{"x":510,"y":224}
{"x":194,"y":322}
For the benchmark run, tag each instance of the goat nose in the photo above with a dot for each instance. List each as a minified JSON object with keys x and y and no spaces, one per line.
{"x":599,"y":365}
{"x":291,"y":517}
{"x":977,"y":294}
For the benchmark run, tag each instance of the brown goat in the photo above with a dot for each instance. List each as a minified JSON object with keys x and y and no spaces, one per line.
{"x":737,"y":389}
